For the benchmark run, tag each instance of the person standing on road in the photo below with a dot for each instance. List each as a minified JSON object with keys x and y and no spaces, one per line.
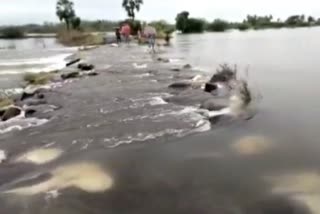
{"x":126,"y":32}
{"x":118,"y":35}
{"x":151,"y":33}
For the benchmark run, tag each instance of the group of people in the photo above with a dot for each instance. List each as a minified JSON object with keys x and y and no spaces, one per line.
{"x":124,"y":32}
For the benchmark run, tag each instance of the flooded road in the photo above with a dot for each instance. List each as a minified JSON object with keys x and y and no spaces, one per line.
{"x":119,"y":146}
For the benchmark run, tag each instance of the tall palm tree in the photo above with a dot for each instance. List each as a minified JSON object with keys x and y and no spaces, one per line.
{"x":65,"y":11}
{"x":131,"y":6}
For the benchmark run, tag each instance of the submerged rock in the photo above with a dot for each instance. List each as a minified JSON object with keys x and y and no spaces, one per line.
{"x":165,"y":60}
{"x":33,"y":102}
{"x":214,"y":105}
{"x":224,"y":74}
{"x":70,"y":75}
{"x":85,"y":67}
{"x":93,"y":74}
{"x":2,"y":111}
{"x":33,"y":90}
{"x":175,"y":69}
{"x":180,"y":85}
{"x":41,"y":111}
{"x":209,"y":87}
{"x":187,"y":66}
{"x":10,"y":113}
{"x":30,"y":112}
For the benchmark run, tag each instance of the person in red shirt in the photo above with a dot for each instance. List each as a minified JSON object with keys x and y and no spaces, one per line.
{"x":126,"y":31}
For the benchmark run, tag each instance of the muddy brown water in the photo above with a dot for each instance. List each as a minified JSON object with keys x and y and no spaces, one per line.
{"x":269,"y":164}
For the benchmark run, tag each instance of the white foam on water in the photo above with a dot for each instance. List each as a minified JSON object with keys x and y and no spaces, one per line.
{"x":3,"y":156}
{"x":39,"y":156}
{"x":224,"y":111}
{"x":157,"y":101}
{"x":153,"y":101}
{"x":140,"y":137}
{"x":11,"y":91}
{"x":53,"y":194}
{"x":20,"y":124}
{"x":45,"y":64}
{"x":174,"y":60}
{"x":202,"y":126}
{"x":36,"y":61}
{"x":143,"y":75}
{"x":86,"y":176}
{"x":139,"y":66}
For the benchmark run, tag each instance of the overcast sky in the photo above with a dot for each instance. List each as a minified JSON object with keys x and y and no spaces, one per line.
{"x":38,"y":11}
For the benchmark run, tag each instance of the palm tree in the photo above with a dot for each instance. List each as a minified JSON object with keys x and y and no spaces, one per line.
{"x":131,"y":6}
{"x":65,"y":11}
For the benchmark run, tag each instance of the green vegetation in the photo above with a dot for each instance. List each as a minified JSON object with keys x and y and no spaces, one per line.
{"x":85,"y":25}
{"x":76,"y":22}
{"x":242,"y":26}
{"x":5,"y":101}
{"x":65,"y":12}
{"x":131,"y":6}
{"x":11,"y":33}
{"x":163,"y":28}
{"x":38,"y":78}
{"x":78,"y":38}
{"x":218,"y":25}
{"x":189,"y":25}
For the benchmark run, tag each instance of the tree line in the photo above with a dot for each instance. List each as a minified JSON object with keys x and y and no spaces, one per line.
{"x":187,"y":24}
{"x":65,"y":11}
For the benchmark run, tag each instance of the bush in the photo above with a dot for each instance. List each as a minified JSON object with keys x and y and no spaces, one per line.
{"x":38,"y":78}
{"x":195,"y":25}
{"x":243,"y":26}
{"x":78,"y":38}
{"x":163,"y":28}
{"x":12,"y":33}
{"x":189,"y":25}
{"x":218,"y":25}
{"x":5,"y":101}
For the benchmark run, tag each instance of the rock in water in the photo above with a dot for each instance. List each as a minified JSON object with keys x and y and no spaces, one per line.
{"x":224,"y":74}
{"x":175,"y":69}
{"x":93,"y":74}
{"x":73,"y":62}
{"x":2,"y":111}
{"x":187,"y":66}
{"x":31,"y":91}
{"x":85,"y":67}
{"x":34,"y":102}
{"x":30,"y":112}
{"x":213,"y":105}
{"x":209,"y":87}
{"x":180,"y":85}
{"x":40,"y":96}
{"x":163,"y":60}
{"x":70,"y":75}
{"x":11,"y":113}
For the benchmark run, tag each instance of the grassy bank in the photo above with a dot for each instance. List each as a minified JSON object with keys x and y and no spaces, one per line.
{"x":38,"y":78}
{"x":78,"y":38}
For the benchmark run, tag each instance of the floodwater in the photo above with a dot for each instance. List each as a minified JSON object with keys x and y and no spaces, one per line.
{"x":266,"y":165}
{"x":34,"y":55}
